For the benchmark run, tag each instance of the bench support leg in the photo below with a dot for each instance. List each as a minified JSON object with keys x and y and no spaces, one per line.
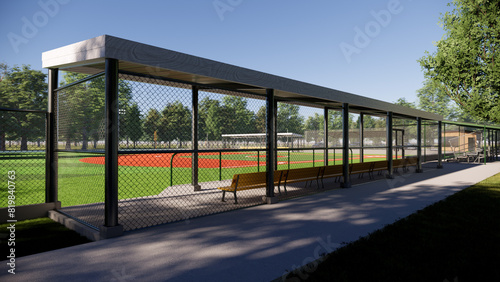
{"x":223,"y":196}
{"x":235,"y":198}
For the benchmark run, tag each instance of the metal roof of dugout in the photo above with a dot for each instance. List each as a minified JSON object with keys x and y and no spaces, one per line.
{"x":89,"y":57}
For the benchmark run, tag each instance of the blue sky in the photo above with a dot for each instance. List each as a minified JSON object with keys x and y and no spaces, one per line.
{"x":368,"y":48}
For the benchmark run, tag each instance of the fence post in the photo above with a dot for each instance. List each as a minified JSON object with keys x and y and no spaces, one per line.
{"x":51,"y":195}
{"x":271,"y":142}
{"x":325,"y":140}
{"x":345,"y":147}
{"x":361,"y":138}
{"x":440,"y":145}
{"x":111,"y":227}
{"x":194,"y":139}
{"x":419,"y":145}
{"x":390,"y":168}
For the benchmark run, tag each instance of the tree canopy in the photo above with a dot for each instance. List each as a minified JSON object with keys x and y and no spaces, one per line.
{"x":465,"y":64}
{"x":22,"y":88}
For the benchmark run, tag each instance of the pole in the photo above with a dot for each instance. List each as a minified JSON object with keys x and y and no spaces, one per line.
{"x":194,"y":139}
{"x":270,"y":140}
{"x":325,"y":130}
{"x":51,"y":162}
{"x":361,"y":138}
{"x":111,"y":227}
{"x":419,"y":145}
{"x":390,"y":167}
{"x":345,"y":146}
{"x":440,"y":146}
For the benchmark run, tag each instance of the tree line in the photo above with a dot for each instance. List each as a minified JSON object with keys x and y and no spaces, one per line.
{"x":82,"y":114}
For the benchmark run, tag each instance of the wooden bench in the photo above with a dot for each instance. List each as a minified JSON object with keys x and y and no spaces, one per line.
{"x":379,"y":166}
{"x":301,"y":175}
{"x":399,"y":163}
{"x":411,"y":161}
{"x":361,"y":168}
{"x":331,"y":171}
{"x":247,"y":181}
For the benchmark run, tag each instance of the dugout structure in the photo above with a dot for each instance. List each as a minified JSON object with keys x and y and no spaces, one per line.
{"x":107,"y":61}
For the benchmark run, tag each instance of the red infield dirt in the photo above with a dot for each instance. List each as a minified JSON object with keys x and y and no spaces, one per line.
{"x":184,"y":160}
{"x":180,"y":160}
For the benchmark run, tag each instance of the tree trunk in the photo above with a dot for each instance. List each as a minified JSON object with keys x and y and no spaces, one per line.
{"x":68,"y":143}
{"x":2,"y":142}
{"x":85,"y":140}
{"x":24,"y":143}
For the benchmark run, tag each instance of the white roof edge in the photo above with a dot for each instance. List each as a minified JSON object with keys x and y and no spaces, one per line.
{"x":76,"y":53}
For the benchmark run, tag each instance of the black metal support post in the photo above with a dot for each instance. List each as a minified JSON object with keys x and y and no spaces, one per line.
{"x":51,"y":142}
{"x":496,"y":145}
{"x":361,"y":138}
{"x":275,"y":132}
{"x":440,"y":145}
{"x":345,"y":146}
{"x":325,"y":140}
{"x":390,"y":167}
{"x":194,"y":139}
{"x":271,"y":143}
{"x":419,"y":145}
{"x":111,"y":227}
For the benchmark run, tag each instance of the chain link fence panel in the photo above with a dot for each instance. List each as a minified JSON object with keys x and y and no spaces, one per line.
{"x":22,"y":156}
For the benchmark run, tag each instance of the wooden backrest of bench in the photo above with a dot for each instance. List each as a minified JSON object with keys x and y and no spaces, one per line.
{"x":398,"y":162}
{"x":361,"y":167}
{"x":302,"y":173}
{"x":379,"y":165}
{"x":332,"y":171}
{"x":254,"y":178}
{"x":411,"y":161}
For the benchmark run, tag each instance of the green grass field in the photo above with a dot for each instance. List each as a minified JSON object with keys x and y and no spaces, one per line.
{"x":83,"y":183}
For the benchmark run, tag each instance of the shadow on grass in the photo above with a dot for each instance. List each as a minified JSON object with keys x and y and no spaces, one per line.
{"x":456,"y":239}
{"x":36,"y":236}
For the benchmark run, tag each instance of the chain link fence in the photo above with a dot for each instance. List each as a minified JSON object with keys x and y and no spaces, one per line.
{"x":179,"y":143}
{"x":81,"y":124}
{"x":22,"y":154}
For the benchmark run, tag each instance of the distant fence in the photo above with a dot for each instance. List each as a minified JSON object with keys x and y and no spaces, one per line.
{"x":22,"y":155}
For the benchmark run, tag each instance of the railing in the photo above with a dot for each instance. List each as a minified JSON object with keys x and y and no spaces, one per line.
{"x":220,"y":167}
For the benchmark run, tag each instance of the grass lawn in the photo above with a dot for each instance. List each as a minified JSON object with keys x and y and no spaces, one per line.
{"x":456,"y":239}
{"x":37,"y":236}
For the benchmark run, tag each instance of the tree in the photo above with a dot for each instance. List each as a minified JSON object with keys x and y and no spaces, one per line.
{"x":83,"y":108}
{"x":431,"y":98}
{"x":465,"y":64}
{"x":289,"y":118}
{"x":175,"y":123}
{"x":22,"y":88}
{"x":315,"y":124}
{"x":373,"y":122}
{"x":403,"y":102}
{"x":209,"y":112}
{"x":237,"y":118}
{"x":133,"y":121}
{"x":261,"y":120}
{"x":151,"y":123}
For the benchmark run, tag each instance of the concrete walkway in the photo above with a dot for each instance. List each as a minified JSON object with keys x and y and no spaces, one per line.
{"x":253,"y":244}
